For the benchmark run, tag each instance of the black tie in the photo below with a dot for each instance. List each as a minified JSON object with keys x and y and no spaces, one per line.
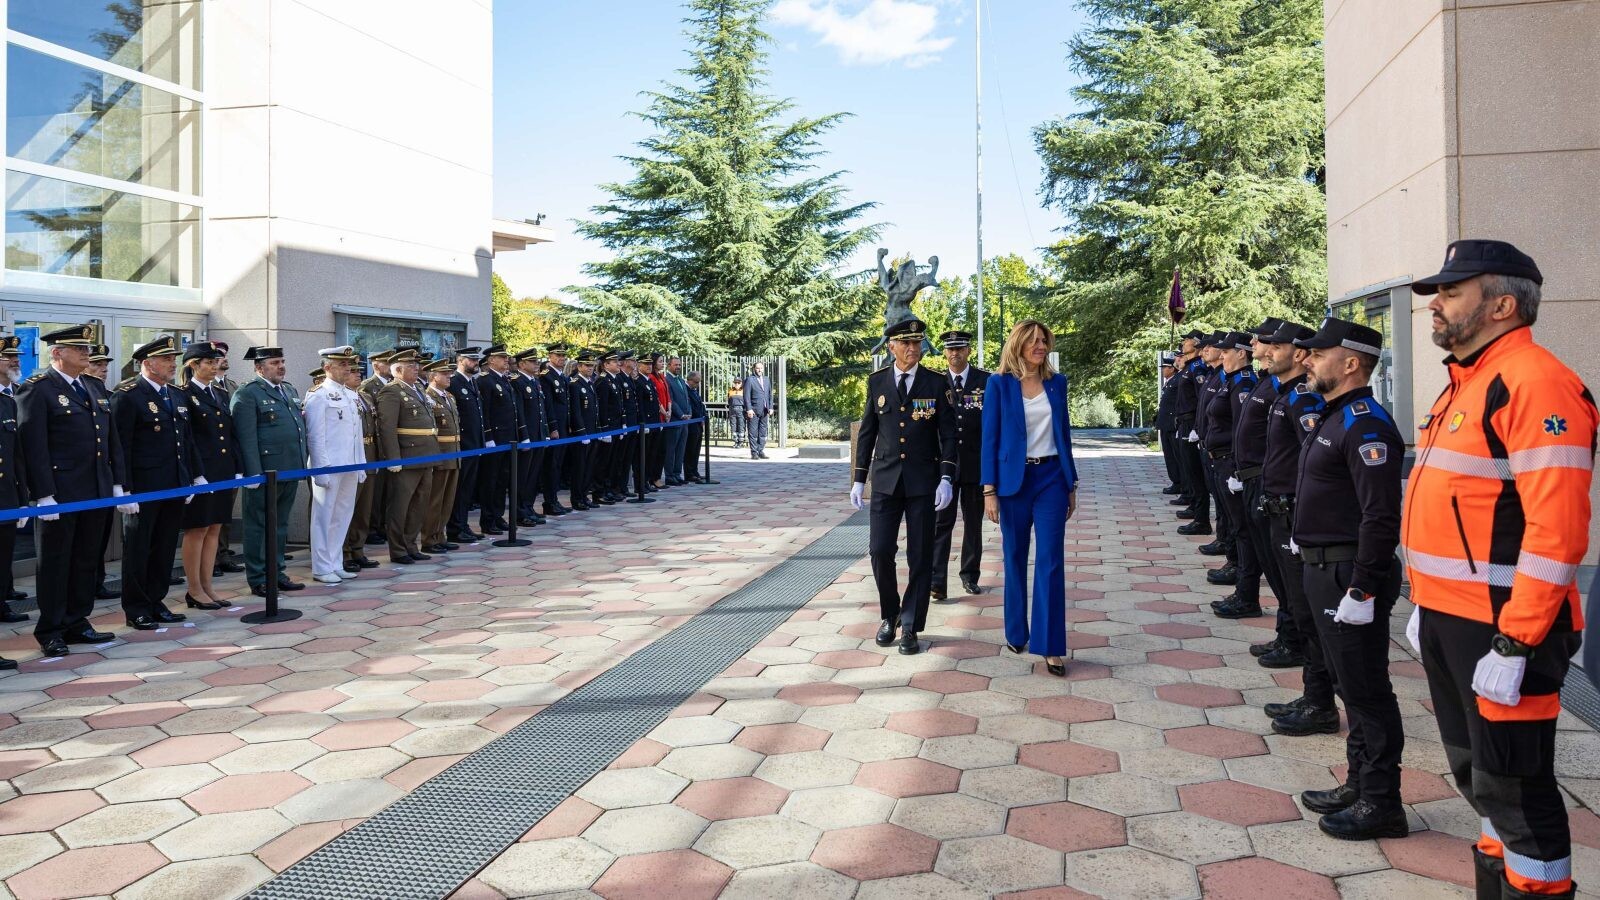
{"x":958,"y":383}
{"x":166,"y":399}
{"x":904,"y":377}
{"x":77,"y":386}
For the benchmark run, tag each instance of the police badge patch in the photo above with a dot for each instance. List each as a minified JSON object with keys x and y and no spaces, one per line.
{"x":1309,"y":421}
{"x":1375,"y":453}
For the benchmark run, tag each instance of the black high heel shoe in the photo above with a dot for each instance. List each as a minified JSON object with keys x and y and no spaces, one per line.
{"x":1057,"y":669}
{"x":192,"y":603}
{"x":1016,"y":648}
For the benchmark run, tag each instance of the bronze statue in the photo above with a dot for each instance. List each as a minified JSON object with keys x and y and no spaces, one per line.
{"x":902,"y":284}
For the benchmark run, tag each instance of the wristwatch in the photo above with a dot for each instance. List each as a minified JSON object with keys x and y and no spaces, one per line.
{"x":1507,"y":647}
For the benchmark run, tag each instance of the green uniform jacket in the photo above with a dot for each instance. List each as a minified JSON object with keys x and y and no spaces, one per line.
{"x":270,"y":429}
{"x":406,"y":427}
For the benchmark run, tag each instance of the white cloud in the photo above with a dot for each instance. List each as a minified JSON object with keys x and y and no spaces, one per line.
{"x":882,"y":31}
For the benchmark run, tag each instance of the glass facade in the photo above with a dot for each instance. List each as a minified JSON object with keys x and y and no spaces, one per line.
{"x":160,"y":38}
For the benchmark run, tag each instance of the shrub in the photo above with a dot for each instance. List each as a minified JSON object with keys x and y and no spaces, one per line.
{"x":1092,"y":411}
{"x":819,"y":428}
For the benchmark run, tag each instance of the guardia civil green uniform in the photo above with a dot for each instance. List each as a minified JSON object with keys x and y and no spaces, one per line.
{"x":272,"y":435}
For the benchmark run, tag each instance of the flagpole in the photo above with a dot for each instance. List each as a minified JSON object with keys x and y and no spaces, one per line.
{"x":979,"y":116}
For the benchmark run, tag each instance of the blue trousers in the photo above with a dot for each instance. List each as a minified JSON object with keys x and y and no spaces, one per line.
{"x":1039,"y":506}
{"x":677,"y":443}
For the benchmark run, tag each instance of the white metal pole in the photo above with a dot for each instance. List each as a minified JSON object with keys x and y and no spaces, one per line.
{"x":979,"y":113}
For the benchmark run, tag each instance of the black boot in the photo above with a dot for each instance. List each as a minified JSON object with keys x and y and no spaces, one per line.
{"x":1332,"y":801}
{"x":1195,"y":527}
{"x":1185,"y":513}
{"x":1215,"y":548}
{"x":1227,"y":574}
{"x":1279,"y":710}
{"x":1491,"y":874}
{"x":1281,"y":658}
{"x":1309,"y":720}
{"x":1257,"y":650}
{"x":1239,"y":609}
{"x":1364,"y":821}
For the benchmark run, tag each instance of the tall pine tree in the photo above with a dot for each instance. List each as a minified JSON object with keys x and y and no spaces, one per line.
{"x":726,"y":209}
{"x":1199,"y":146}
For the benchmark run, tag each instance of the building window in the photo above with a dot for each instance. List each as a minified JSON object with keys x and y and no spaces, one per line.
{"x":1375,"y":312}
{"x":58,"y":227}
{"x":160,"y":38}
{"x":374,"y":334}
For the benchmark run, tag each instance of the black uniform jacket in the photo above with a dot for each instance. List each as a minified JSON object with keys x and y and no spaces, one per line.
{"x":211,"y":431}
{"x":469,"y":409}
{"x":530,"y":396}
{"x":1250,"y":424}
{"x":628,"y":390}
{"x":968,"y":409}
{"x":1295,"y":414}
{"x":645,"y":393}
{"x":1222,"y":409}
{"x":1349,"y":486}
{"x":910,"y":444}
{"x":13,"y":484}
{"x":1186,"y":395}
{"x":69,"y":444}
{"x":157,"y":450}
{"x":584,"y":407}
{"x":609,"y":397}
{"x":1208,"y":387}
{"x":501,"y":420}
{"x":557,"y":403}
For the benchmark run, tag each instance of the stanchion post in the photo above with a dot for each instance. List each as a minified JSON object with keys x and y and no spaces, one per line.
{"x":271,"y":612}
{"x":512,"y":496}
{"x":640,"y":473}
{"x":706,"y":431}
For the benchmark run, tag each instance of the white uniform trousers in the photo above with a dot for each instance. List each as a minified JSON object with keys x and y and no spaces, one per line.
{"x":331,"y":509}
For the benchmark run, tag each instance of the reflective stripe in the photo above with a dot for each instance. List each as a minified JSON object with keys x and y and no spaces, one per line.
{"x":1553,"y":457}
{"x":1551,"y":871}
{"x":1360,"y":347}
{"x":1546,"y":569}
{"x":1488,"y":830}
{"x":1465,"y":464}
{"x":1460,"y":569}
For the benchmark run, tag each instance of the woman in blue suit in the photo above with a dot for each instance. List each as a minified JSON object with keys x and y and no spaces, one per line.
{"x":1031,"y":485}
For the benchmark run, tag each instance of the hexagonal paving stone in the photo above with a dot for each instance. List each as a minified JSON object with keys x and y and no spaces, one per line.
{"x":1277,"y":773}
{"x":1069,"y":760}
{"x":832,"y":808}
{"x":1070,"y":709}
{"x":872,"y":744}
{"x":619,"y":788}
{"x":1240,"y":804}
{"x":789,"y":880}
{"x":786,"y":737}
{"x":1255,"y":877}
{"x":798,"y":771}
{"x":819,"y":694}
{"x":1303,"y":845}
{"x":673,"y":873}
{"x":876,"y":851}
{"x":1128,"y":873}
{"x":969,"y":751}
{"x":222,"y":834}
{"x":710,"y":762}
{"x":186,"y":749}
{"x":236,"y":793}
{"x":931,"y":723}
{"x":350,"y":799}
{"x":87,"y":872}
{"x":763,"y":841}
{"x":363,"y":734}
{"x":124,"y":823}
{"x":344,"y":765}
{"x":949,"y":816}
{"x":908,"y":777}
{"x":694,"y":731}
{"x":1067,"y":827}
{"x":645,"y":829}
{"x":1123,"y":794}
{"x":1395,"y":883}
{"x":732,"y":798}
{"x":924,"y":885}
{"x":1014,"y":785}
{"x":999,"y":863}
{"x":1431,"y":854}
{"x":1191,"y":838}
{"x":73,"y":775}
{"x":546,"y":867}
{"x":1215,"y":742}
{"x":229,"y":876}
{"x":1173,"y":766}
{"x":46,"y":812}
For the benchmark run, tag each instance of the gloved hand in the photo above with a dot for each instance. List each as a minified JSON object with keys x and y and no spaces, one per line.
{"x":22,"y":522}
{"x":1499,"y":678}
{"x":1414,"y":629}
{"x":605,"y":440}
{"x":1234,"y":485}
{"x":127,"y":509}
{"x":1194,"y":436}
{"x":198,"y":481}
{"x":586,"y":443}
{"x":1293,"y":547}
{"x":322,"y":481}
{"x":361,"y":477}
{"x":488,"y":443}
{"x":44,"y":502}
{"x":856,"y":490}
{"x":1355,"y":608}
{"x":394,"y":468}
{"x":942,"y":495}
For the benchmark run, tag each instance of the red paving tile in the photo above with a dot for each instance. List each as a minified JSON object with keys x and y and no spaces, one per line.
{"x":88,"y":872}
{"x":1081,"y":640}
{"x":297,"y":843}
{"x":46,"y":812}
{"x":1216,"y":742}
{"x":247,"y":675}
{"x":783,"y":737}
{"x":1069,"y":760}
{"x":1240,"y":804}
{"x":931,"y":723}
{"x":698,"y":705}
{"x":1585,"y":825}
{"x":413,"y":773}
{"x":519,"y":656}
{"x":186,"y":749}
{"x":300,"y":702}
{"x":644,"y":752}
{"x":819,"y":694}
{"x":93,"y":686}
{"x":1078,"y":671}
{"x":1166,"y":606}
{"x":1185,"y":659}
{"x":732,"y":798}
{"x":1177,"y":630}
{"x":17,"y":762}
{"x":363,"y":734}
{"x":1204,"y":696}
{"x":679,"y":874}
{"x":1416,"y":786}
{"x":451,"y":689}
{"x":848,"y":659}
{"x":391,"y":665}
{"x":569,"y":819}
{"x":963,"y":649}
{"x":1071,"y":709}
{"x":333,"y":645}
{"x":908,"y":777}
{"x":1432,"y":854}
{"x":875,"y":851}
{"x":949,"y":682}
{"x":1054,"y":893}
{"x":1257,"y":878}
{"x":194,"y":654}
{"x":234,"y":793}
{"x":1067,"y":827}
{"x":129,"y":715}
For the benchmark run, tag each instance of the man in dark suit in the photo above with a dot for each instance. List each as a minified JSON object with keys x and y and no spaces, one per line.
{"x":469,"y":406}
{"x":583,"y":419}
{"x":557,"y":407}
{"x":71,"y":453}
{"x":535,"y":427}
{"x":758,"y":408}
{"x":502,"y":425}
{"x":677,"y":439}
{"x":966,"y":385}
{"x":907,"y":443}
{"x":695,"y":445}
{"x":1167,"y":423}
{"x":152,"y":419}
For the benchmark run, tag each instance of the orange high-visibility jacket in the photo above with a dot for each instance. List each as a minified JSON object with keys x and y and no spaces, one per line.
{"x":1497,"y":509}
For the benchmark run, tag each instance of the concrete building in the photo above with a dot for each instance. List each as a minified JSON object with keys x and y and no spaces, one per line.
{"x":1454,"y":119}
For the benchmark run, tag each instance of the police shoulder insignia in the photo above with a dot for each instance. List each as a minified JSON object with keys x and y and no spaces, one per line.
{"x":1309,"y":421}
{"x":1556,"y":425}
{"x":1360,"y":407}
{"x":1375,"y":453}
{"x":127,"y":384}
{"x":1302,"y":388}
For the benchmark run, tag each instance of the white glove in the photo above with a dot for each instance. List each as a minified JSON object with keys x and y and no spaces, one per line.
{"x":1293,"y":547}
{"x":856,"y":490}
{"x":394,"y":468}
{"x":127,"y":509}
{"x":198,"y":481}
{"x":943,"y":495}
{"x":361,"y":477}
{"x":488,"y":443}
{"x":1194,"y":436}
{"x":1414,"y":629}
{"x":1353,"y":609}
{"x":322,"y":481}
{"x":22,"y":522}
{"x":1234,"y":485}
{"x":43,"y":502}
{"x":238,"y":476}
{"x":1499,"y":678}
{"x":605,"y":440}
{"x":586,"y":443}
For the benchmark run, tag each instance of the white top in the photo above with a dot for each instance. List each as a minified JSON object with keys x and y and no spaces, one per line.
{"x":333,"y":427}
{"x":1041,"y":431}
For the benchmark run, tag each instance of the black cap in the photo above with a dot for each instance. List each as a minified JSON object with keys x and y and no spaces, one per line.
{"x":1193,"y":334}
{"x":1235,"y":340}
{"x":559,"y":348}
{"x":1214,"y":339}
{"x":587,"y":356}
{"x":71,"y":336}
{"x":257,"y":354}
{"x":911,"y":329}
{"x":1342,"y":333}
{"x":1268,"y":326}
{"x":202,"y":350}
{"x":164,"y":345}
{"x":1288,"y":333}
{"x":957,"y":339}
{"x":494,"y":350}
{"x":10,"y":345}
{"x":1465,"y":259}
{"x":624,"y":355}
{"x":524,"y":356}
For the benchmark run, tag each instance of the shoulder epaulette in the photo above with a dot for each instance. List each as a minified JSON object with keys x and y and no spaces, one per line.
{"x":1302,"y":388}
{"x":876,"y":371}
{"x":127,"y":385}
{"x":37,"y":376}
{"x":1360,"y":408}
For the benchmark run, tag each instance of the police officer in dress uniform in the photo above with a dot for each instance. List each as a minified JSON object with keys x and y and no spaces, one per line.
{"x":380,"y":377}
{"x":608,"y":396}
{"x":1249,"y":461}
{"x":1238,"y":379}
{"x":469,"y":408}
{"x":966,"y":384}
{"x":583,"y":418}
{"x":13,"y":487}
{"x":333,"y":435}
{"x":502,"y":426}
{"x":535,"y":427}
{"x":152,"y":425}
{"x":272,"y":435}
{"x":355,"y":540}
{"x":907,"y":443}
{"x":1346,"y":526}
{"x":70,"y":452}
{"x":406,"y":427}
{"x":644,"y":388}
{"x":557,"y":407}
{"x":442,"y":494}
{"x":1195,"y":501}
{"x":1165,"y":424}
{"x":211,"y":430}
{"x":1212,"y":388}
{"x":625,"y":460}
{"x":227,"y":561}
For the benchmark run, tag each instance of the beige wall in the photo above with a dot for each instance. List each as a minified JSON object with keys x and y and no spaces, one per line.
{"x":1454,"y":119}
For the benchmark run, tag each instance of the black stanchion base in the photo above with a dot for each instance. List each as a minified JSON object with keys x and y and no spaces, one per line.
{"x":709,"y":481}
{"x":282,"y":615}
{"x":512,"y":542}
{"x":641,"y":499}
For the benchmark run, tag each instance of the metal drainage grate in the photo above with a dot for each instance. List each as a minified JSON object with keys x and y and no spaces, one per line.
{"x":427,"y":843}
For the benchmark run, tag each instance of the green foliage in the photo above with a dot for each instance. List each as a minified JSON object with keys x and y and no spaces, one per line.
{"x":1012,"y":289}
{"x":1092,"y":410}
{"x":726,"y":210}
{"x":640,"y":317}
{"x":1200,"y":147}
{"x":819,"y":428}
{"x":523,"y":323}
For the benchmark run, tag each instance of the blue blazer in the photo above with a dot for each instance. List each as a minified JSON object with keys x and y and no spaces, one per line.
{"x":1005,"y":432}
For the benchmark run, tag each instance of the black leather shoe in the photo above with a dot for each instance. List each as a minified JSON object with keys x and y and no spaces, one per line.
{"x":1306,"y":721}
{"x":1185,"y":513}
{"x":420,"y":557}
{"x":463,"y":537}
{"x":1195,"y":527}
{"x":1239,"y":610}
{"x":1341,"y":797}
{"x":580,"y":506}
{"x":105,"y":593}
{"x":936,"y":594}
{"x":7,"y":665}
{"x":1230,"y":600}
{"x":231,"y":568}
{"x":11,"y":617}
{"x":449,"y":546}
{"x":1279,"y":710}
{"x":168,"y":617}
{"x":527,"y":522}
{"x":260,"y":590}
{"x":1281,"y":658}
{"x":1365,"y":821}
{"x":1256,"y":650}
{"x":1215,"y":548}
{"x":555,"y":510}
{"x":54,"y":647}
{"x":352,"y":567}
{"x":1228,"y":574}
{"x":87,"y":636}
{"x":1181,"y":502}
{"x":885,"y":634}
{"x":175,"y":580}
{"x":143,"y":623}
{"x":1172,"y":491}
{"x":14,"y":596}
{"x":1059,"y":669}
{"x":374,"y":539}
{"x":402,"y":560}
{"x":971,"y":586}
{"x":436,"y":548}
{"x":365,"y":563}
{"x":909,"y":645}
{"x":285,"y":584}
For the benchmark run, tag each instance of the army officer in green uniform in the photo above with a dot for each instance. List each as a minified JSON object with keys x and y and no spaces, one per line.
{"x":271,"y":435}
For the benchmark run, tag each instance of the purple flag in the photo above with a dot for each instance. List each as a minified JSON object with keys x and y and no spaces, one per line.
{"x":1175,"y":299}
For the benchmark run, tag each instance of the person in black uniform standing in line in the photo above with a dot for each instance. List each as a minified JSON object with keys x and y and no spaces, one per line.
{"x":1249,"y":460}
{"x":966,"y":386}
{"x":1238,"y":379}
{"x":608,"y":393}
{"x":912,"y":477}
{"x":501,"y":426}
{"x":584,"y":418}
{"x":1165,"y":425}
{"x":626,"y":460}
{"x":530,"y":395}
{"x":558,"y":409}
{"x":1347,"y":526}
{"x":1212,"y":388}
{"x":469,"y":408}
{"x":71,"y":453}
{"x":13,"y":487}
{"x":99,"y":366}
{"x":1195,"y":500}
{"x":152,"y":419}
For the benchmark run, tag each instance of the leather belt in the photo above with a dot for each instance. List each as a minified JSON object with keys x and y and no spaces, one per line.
{"x":1252,"y":472}
{"x":1220,"y":454}
{"x":366,"y":440}
{"x":1040,"y":460}
{"x":416,"y":431}
{"x":449,"y":438}
{"x":1332,"y":554}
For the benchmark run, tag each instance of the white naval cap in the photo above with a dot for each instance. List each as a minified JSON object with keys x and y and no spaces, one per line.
{"x":345,"y":352}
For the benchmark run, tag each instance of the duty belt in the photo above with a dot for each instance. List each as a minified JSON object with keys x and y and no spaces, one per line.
{"x":1220,"y":454}
{"x":1332,"y":554}
{"x":1277,"y":504}
{"x":1252,"y":472}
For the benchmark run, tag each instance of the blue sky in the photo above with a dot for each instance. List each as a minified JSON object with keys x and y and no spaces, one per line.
{"x":567,"y":75}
